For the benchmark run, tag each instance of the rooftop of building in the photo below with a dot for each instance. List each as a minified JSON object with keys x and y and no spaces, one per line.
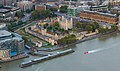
{"x":8,"y":36}
{"x":77,"y":7}
{"x":25,"y":2}
{"x":4,"y":33}
{"x":116,"y":8}
{"x":100,"y":6}
{"x":8,"y":7}
{"x":71,"y":7}
{"x":115,"y":1}
{"x":15,"y":8}
{"x":40,"y":5}
{"x":4,"y":10}
{"x":51,"y":4}
{"x":51,"y":0}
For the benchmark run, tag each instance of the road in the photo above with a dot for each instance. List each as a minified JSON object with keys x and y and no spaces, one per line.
{"x":26,"y":25}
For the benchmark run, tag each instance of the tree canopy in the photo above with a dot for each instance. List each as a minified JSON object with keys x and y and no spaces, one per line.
{"x":19,"y":14}
{"x":67,"y":40}
{"x":87,"y":26}
{"x":63,"y":9}
{"x":41,"y":14}
{"x":114,"y":27}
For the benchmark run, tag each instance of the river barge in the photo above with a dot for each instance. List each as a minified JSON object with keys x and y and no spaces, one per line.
{"x":41,"y":59}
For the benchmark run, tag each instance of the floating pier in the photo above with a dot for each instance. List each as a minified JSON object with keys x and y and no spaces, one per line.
{"x":41,"y":59}
{"x":42,"y":53}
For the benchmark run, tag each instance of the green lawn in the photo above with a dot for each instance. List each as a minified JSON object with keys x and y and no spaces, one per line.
{"x":28,"y":36}
{"x":31,"y":37}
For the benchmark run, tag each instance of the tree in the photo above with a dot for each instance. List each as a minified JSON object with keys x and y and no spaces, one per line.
{"x":28,"y":11}
{"x":46,"y":25}
{"x":88,"y":28}
{"x":96,"y":24}
{"x":78,"y":25}
{"x":10,"y":28}
{"x":35,"y":14}
{"x":102,"y":30}
{"x":49,"y":28}
{"x":62,"y":30}
{"x":56,"y":24}
{"x":67,"y":40}
{"x":53,"y":9}
{"x":109,"y":6}
{"x":20,"y":22}
{"x":93,"y":27}
{"x":25,"y":39}
{"x":1,"y":6}
{"x":41,"y":14}
{"x":63,"y":9}
{"x":46,"y":13}
{"x":19,"y":14}
{"x":114,"y":28}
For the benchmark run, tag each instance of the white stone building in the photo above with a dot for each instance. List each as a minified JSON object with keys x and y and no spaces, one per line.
{"x":65,"y":23}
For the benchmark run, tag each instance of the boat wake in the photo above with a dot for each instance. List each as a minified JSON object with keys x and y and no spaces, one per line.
{"x":101,"y":49}
{"x":39,"y":69}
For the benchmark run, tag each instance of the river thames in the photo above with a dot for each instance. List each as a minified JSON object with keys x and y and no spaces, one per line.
{"x":106,"y":58}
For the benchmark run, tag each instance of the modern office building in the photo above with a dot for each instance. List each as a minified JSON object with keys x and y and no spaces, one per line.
{"x":72,"y":11}
{"x":40,"y":1}
{"x":102,"y":8}
{"x":82,"y":8}
{"x":7,"y":12}
{"x":10,"y":44}
{"x":52,"y":6}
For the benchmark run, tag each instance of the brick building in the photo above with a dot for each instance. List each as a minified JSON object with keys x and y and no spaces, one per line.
{"x":98,"y":16}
